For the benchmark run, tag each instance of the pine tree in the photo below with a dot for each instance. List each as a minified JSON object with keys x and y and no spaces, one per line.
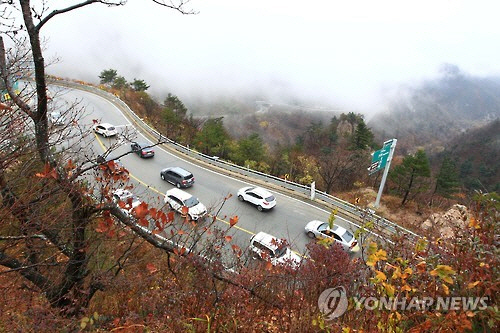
{"x":412,"y":176}
{"x":363,"y":136}
{"x":108,"y":76}
{"x":447,"y":182}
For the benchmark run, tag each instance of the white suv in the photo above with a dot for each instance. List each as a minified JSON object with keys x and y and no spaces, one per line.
{"x":105,"y":129}
{"x":263,"y":199}
{"x":274,"y":250}
{"x":177,"y":199}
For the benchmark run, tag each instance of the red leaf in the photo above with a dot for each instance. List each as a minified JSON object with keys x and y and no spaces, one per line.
{"x":151,"y":268}
{"x":233,"y":220}
{"x":143,"y":222}
{"x":141,"y":211}
{"x":170,"y":216}
{"x":228,"y":238}
{"x":159,"y":226}
{"x":181,"y":232}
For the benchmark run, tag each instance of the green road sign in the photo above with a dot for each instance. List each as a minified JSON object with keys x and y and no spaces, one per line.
{"x":380,"y":157}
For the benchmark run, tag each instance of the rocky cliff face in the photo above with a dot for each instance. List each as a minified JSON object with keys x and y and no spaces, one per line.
{"x":450,"y":223}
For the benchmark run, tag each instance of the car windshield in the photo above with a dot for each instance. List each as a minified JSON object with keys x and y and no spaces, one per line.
{"x":322,"y":227}
{"x":280,"y":251}
{"x":191,"y":202}
{"x":270,"y":199}
{"x":347,"y":236}
{"x":111,"y":128}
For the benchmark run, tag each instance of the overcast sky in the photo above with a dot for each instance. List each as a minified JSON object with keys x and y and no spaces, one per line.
{"x":351,"y":52}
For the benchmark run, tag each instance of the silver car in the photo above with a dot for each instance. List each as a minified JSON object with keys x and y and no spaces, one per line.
{"x":321,"y":230}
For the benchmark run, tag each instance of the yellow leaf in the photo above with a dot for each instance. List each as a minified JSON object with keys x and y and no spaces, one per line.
{"x":445,"y":289}
{"x":421,"y":245}
{"x":372,"y":247}
{"x":473,"y":223}
{"x":389,"y":289}
{"x":397,"y":273}
{"x":380,"y":276}
{"x":472,"y":284}
{"x":382,"y":254}
{"x":447,"y":279}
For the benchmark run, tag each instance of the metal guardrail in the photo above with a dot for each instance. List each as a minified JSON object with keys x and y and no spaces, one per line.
{"x":360,"y":213}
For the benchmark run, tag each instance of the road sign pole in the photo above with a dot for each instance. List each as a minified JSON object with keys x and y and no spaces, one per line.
{"x":386,"y":171}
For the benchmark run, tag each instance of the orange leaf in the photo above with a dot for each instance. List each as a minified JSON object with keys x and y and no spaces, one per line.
{"x":233,"y":220}
{"x":228,"y":238}
{"x":181,"y":232}
{"x":406,"y":288}
{"x":184,"y":210}
{"x":70,"y":165}
{"x":421,"y":267}
{"x":269,"y":265}
{"x":48,"y":172}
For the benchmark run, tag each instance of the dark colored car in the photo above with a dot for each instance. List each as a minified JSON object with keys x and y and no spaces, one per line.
{"x":177,"y":176}
{"x":142,"y":149}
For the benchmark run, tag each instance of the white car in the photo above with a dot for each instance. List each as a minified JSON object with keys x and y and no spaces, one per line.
{"x":127,"y":197}
{"x":176,"y":199}
{"x":274,"y":250}
{"x":105,"y":129}
{"x":321,"y":230}
{"x":56,"y":118}
{"x":261,"y":198}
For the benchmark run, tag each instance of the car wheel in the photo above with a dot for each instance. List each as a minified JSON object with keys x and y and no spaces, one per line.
{"x":178,"y":185}
{"x":240,"y":198}
{"x":105,"y":135}
{"x":162,"y":176}
{"x":259,"y":208}
{"x":310,"y":234}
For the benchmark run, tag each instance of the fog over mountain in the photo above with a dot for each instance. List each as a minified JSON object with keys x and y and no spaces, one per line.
{"x":436,"y":111}
{"x":345,"y":55}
